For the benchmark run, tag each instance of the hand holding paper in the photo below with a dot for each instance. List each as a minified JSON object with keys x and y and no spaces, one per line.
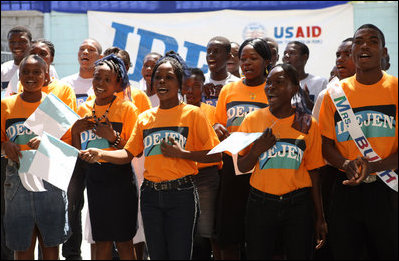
{"x":236,"y":142}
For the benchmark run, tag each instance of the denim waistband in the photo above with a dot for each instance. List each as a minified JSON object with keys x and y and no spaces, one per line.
{"x":168,"y":185}
{"x":293,"y":194}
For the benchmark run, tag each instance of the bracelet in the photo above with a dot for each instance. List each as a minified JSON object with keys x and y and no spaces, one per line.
{"x":117,"y":140}
{"x":346,"y":162}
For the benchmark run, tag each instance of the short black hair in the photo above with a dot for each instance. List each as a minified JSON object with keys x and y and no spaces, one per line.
{"x":123,"y":54}
{"x":49,"y":44}
{"x":96,"y":43}
{"x":197,"y":72}
{"x":270,"y":39}
{"x":35,"y":57}
{"x":153,"y":53}
{"x":20,"y":29}
{"x":303,"y":47}
{"x":225,"y":42}
{"x":373,"y":27}
{"x":350,"y":39}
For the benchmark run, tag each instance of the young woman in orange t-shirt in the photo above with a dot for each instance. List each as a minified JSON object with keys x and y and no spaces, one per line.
{"x":285,"y":179}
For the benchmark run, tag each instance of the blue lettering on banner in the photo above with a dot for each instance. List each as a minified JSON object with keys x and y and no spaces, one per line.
{"x":297,"y":32}
{"x":146,"y":41}
{"x":121,"y":33}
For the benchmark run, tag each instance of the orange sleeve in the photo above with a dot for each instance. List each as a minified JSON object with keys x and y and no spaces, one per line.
{"x":141,"y":100}
{"x":221,"y":113}
{"x":313,"y":156}
{"x":130,"y":119}
{"x":135,"y":143}
{"x":67,"y":138}
{"x":326,"y":117}
{"x":70,"y":97}
{"x":3,"y":122}
{"x":205,"y":137}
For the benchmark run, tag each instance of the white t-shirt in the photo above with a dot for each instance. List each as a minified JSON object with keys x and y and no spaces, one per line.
{"x":213,"y":100}
{"x":315,"y":85}
{"x":142,"y":85}
{"x":319,"y":100}
{"x":8,"y":69}
{"x":82,"y":87}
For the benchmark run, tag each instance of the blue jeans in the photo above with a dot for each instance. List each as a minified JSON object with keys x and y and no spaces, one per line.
{"x":169,"y":218}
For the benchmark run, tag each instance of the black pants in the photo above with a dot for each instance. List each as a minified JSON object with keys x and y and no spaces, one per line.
{"x":71,"y":248}
{"x":269,"y":217}
{"x":364,"y":221}
{"x":6,"y":253}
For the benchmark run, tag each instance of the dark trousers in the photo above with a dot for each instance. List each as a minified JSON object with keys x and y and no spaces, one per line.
{"x":169,"y":219}
{"x":6,"y":253}
{"x":364,"y":221}
{"x":71,"y":248}
{"x":269,"y":217}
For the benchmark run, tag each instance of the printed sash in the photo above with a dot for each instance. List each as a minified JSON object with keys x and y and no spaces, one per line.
{"x":348,"y":117}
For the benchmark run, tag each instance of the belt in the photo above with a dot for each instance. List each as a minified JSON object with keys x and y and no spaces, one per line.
{"x":170,"y":184}
{"x":290,"y":195}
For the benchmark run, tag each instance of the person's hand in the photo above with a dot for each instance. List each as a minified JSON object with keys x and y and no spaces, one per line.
{"x":12,"y":150}
{"x":362,"y":170}
{"x":83,"y":124}
{"x":308,"y":100}
{"x":171,"y":148}
{"x":105,"y":130}
{"x":264,"y":142}
{"x":34,"y":143}
{"x":91,"y":155}
{"x":356,"y":171}
{"x":221,"y":131}
{"x":321,"y":232}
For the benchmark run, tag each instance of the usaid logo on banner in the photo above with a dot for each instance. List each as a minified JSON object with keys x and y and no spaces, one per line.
{"x":305,"y":34}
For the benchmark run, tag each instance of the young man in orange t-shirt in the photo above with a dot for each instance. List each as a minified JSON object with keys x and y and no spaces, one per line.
{"x":364,"y":220}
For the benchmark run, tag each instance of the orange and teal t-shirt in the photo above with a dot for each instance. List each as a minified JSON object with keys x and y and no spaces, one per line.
{"x":236,"y":100}
{"x":186,"y":124}
{"x":209,"y":112}
{"x":122,"y":115}
{"x":14,"y":112}
{"x":138,"y":97}
{"x":60,"y":89}
{"x":376,"y":110}
{"x":285,"y":166}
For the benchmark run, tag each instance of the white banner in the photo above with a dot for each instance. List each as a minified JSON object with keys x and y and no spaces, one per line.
{"x":322,"y":30}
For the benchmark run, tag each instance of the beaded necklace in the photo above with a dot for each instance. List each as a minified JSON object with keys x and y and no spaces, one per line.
{"x":97,"y":120}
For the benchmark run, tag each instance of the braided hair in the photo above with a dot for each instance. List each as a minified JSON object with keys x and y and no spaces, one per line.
{"x":117,"y":66}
